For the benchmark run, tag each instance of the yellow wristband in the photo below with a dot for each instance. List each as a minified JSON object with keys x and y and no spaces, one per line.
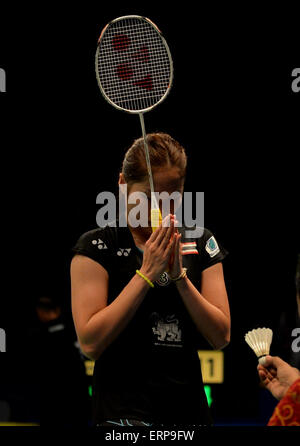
{"x":145,"y":278}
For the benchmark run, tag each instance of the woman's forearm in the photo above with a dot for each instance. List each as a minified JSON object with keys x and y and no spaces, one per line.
{"x":210,"y":320}
{"x":105,"y":326}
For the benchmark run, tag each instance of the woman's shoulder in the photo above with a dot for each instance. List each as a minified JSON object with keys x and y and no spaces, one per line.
{"x":92,"y":235}
{"x":198,"y":234}
{"x":97,"y":236}
{"x":202,"y":241}
{"x":97,"y":243}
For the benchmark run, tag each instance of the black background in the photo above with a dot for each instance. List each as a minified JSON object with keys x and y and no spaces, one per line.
{"x":231,"y":106}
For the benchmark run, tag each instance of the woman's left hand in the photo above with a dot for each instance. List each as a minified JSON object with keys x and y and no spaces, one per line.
{"x":175,"y":262}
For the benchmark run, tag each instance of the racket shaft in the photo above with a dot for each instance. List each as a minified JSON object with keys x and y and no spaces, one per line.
{"x":155,"y":211}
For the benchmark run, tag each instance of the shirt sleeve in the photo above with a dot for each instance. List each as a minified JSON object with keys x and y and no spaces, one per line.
{"x":95,"y":245}
{"x":210,"y":249}
{"x":287,"y":411}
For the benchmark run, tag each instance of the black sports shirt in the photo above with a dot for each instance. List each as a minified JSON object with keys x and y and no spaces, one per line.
{"x":152,"y":370}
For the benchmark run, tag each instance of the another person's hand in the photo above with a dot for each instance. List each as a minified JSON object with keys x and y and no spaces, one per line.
{"x":158,"y":249}
{"x":277,"y":375}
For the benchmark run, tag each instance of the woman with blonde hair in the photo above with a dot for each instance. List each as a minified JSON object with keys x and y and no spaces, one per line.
{"x":142,"y":299}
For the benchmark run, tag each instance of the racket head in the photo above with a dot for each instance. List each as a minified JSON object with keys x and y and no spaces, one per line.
{"x":133,"y":63}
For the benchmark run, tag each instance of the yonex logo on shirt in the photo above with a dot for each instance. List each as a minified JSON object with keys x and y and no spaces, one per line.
{"x":123,"y":252}
{"x":99,"y":243}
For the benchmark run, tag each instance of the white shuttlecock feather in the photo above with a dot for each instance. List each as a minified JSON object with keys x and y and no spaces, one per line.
{"x":260,"y":340}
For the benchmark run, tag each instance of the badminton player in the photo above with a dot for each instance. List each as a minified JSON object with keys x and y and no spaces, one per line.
{"x":141,"y":324}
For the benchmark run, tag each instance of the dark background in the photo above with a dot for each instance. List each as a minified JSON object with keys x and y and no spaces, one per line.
{"x":231,"y":106}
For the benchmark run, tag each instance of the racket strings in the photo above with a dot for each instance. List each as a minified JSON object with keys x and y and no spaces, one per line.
{"x":121,"y":84}
{"x":133,"y":65}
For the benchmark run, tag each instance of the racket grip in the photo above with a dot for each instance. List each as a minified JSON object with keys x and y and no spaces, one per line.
{"x":155,"y":219}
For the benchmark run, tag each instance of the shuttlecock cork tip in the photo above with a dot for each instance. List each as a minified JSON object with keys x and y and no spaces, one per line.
{"x":262,"y":360}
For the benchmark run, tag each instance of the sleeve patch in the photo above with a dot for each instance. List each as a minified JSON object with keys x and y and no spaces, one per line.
{"x":212,"y":247}
{"x":189,"y":248}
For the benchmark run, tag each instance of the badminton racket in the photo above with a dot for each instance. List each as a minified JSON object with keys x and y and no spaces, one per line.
{"x":134,"y":70}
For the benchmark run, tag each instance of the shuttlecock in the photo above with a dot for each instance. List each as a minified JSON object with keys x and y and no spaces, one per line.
{"x":260,"y":340}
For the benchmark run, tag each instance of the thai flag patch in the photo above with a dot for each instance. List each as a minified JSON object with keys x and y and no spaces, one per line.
{"x":189,"y":248}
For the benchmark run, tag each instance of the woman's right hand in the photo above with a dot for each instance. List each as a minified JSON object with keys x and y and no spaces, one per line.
{"x":158,"y":249}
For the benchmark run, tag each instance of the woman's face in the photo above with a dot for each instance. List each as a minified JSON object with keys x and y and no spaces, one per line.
{"x":166,"y":179}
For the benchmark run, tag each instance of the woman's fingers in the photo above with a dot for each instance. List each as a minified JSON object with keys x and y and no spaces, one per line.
{"x":168,"y":236}
{"x":166,"y":225}
{"x":178,"y":242}
{"x":155,"y":234}
{"x":172,"y":244}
